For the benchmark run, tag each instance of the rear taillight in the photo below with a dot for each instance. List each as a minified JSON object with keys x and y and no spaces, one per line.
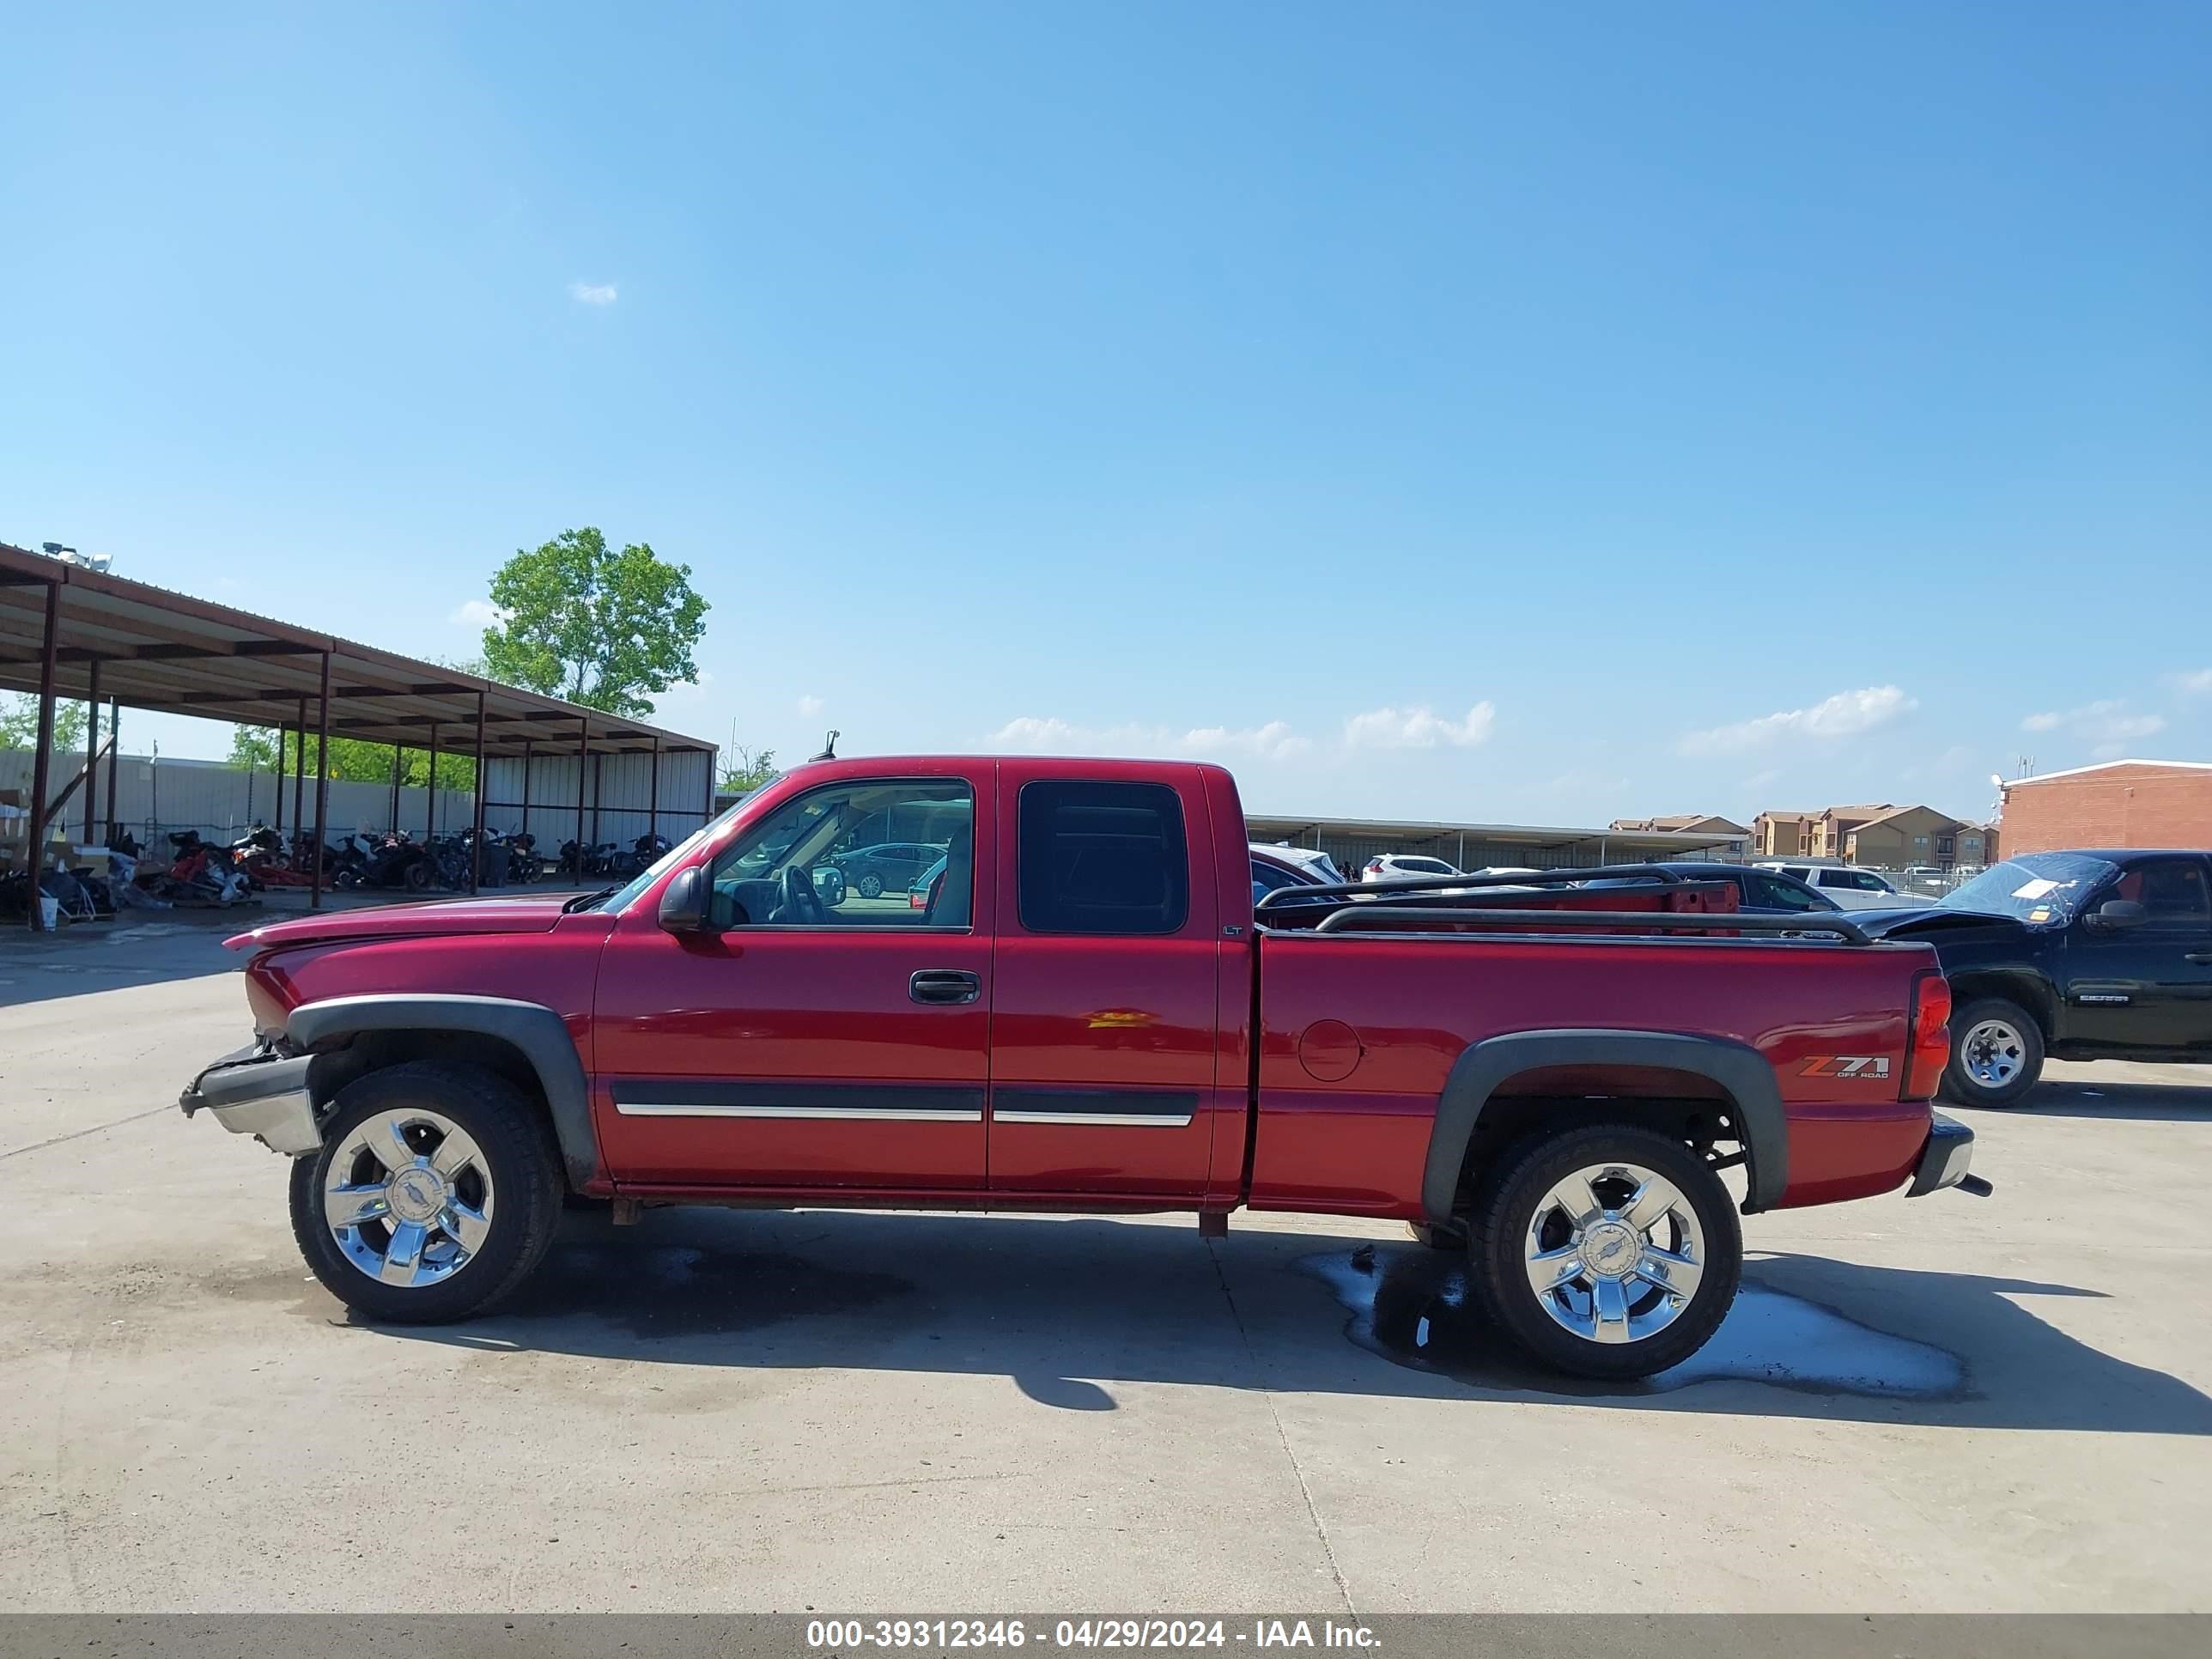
{"x":1932,"y":1037}
{"x":918,"y":899}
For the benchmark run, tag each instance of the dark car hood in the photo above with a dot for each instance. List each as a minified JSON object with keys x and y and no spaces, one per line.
{"x":1934,"y":924}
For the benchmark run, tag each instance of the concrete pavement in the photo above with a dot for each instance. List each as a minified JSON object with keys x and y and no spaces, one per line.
{"x":1943,"y":1404}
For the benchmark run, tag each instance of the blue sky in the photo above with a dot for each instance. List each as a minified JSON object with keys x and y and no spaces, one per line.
{"x":1527,"y":413}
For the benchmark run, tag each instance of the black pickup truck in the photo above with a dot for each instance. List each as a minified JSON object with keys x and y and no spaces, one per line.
{"x":2081,"y":956}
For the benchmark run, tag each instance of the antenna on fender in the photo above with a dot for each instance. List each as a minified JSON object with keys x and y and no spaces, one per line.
{"x":828,"y":749}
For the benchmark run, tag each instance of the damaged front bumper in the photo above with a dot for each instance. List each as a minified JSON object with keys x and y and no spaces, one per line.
{"x":262,"y":1092}
{"x":1944,"y":1161}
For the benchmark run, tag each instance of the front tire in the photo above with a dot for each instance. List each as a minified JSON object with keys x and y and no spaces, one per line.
{"x":872,"y":886}
{"x":435,"y":1193}
{"x":1996,"y":1053}
{"x":1609,"y":1252}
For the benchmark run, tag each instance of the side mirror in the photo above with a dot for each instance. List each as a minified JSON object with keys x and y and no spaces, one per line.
{"x":683,"y":901}
{"x":2115,"y":915}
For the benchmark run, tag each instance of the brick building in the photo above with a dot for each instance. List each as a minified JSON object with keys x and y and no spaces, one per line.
{"x":2126,"y":802}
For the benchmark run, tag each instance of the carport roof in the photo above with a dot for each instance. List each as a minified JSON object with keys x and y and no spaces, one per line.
{"x":174,"y":654}
{"x":1537,"y":837}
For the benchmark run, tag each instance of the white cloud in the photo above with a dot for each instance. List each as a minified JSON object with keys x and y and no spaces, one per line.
{"x":810,"y":705}
{"x":1418,"y":728}
{"x":592,"y":294}
{"x":1044,"y":735}
{"x":2105,"y":725}
{"x":476,"y":613}
{"x":2197,"y":683}
{"x":1846,"y":714}
{"x":1051,"y":735}
{"x":1272,"y":741}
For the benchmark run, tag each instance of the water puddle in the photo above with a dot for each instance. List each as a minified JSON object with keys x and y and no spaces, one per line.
{"x":1410,"y":1305}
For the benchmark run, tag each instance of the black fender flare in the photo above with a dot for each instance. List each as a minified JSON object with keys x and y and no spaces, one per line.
{"x":1739,"y":1069}
{"x":2029,"y":984}
{"x":540,"y":1034}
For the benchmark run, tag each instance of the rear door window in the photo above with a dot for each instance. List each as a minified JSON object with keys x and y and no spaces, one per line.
{"x":1102,"y":859}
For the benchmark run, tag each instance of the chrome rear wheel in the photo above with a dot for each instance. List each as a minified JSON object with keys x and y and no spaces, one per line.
{"x":1607,"y":1250}
{"x":1614,"y":1253}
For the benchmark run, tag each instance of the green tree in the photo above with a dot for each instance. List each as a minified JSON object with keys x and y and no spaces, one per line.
{"x":353,"y":760}
{"x":609,"y":630}
{"x":19,"y":723}
{"x":745,"y":770}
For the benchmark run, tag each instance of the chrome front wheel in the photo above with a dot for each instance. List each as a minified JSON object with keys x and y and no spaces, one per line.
{"x":408,"y":1197}
{"x":1993,"y":1053}
{"x":1996,"y":1052}
{"x":435,"y":1192}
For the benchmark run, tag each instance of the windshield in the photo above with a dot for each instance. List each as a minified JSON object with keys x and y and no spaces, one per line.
{"x":626,"y":894}
{"x":2044,"y":889}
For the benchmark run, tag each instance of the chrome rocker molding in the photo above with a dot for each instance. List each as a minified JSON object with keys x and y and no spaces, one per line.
{"x":854,"y":1114}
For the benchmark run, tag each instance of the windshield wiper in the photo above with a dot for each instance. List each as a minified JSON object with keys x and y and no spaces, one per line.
{"x":586,"y":901}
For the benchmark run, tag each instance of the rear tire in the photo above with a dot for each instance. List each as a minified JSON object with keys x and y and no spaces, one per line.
{"x":1610,"y":1251}
{"x":434,"y":1196}
{"x":1996,"y":1053}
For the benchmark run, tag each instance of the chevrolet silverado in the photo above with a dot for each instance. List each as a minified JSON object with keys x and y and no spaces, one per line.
{"x":1086,"y":1011}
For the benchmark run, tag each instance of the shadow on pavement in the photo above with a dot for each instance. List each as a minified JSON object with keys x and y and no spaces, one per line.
{"x":2141,"y":1103}
{"x":1068,"y":1309}
{"x":138,"y":948}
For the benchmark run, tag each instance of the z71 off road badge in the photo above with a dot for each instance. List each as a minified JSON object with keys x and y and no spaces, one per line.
{"x":1845,"y":1066}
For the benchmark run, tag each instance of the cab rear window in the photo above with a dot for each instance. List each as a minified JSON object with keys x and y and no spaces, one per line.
{"x":1102,"y":859}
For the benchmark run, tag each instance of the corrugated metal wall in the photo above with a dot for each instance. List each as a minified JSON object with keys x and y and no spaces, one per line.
{"x":153,"y":798}
{"x":618,"y":794}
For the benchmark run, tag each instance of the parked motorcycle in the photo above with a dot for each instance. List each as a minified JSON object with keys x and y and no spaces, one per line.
{"x":523,"y":864}
{"x":399,"y":862}
{"x":203,"y":873}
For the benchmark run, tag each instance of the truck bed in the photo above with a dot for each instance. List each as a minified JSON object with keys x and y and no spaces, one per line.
{"x":1361,"y":1024}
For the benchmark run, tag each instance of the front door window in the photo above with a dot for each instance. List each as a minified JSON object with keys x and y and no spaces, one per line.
{"x":852,"y":855}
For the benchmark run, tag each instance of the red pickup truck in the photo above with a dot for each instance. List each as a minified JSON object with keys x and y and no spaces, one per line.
{"x":1078,"y":1006}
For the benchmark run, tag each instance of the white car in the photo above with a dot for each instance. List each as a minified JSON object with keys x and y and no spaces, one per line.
{"x":1402,"y":866}
{"x":1851,"y":889}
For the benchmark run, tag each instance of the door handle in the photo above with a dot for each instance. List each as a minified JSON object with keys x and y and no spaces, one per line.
{"x":2201,"y":959}
{"x":945,"y":985}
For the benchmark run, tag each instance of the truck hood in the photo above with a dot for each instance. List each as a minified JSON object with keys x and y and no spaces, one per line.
{"x":1934,"y":924}
{"x":534,"y":914}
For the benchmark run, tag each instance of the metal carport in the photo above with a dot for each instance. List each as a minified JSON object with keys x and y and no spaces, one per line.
{"x":87,"y":636}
